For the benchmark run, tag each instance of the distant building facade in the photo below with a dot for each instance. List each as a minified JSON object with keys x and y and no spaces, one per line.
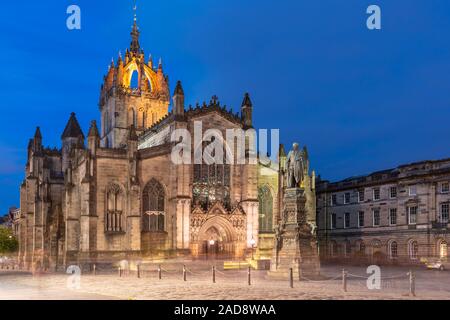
{"x":393,"y":216}
{"x":8,"y":219}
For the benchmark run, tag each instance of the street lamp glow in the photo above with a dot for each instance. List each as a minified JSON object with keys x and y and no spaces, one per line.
{"x":211,"y":242}
{"x":253,"y":242}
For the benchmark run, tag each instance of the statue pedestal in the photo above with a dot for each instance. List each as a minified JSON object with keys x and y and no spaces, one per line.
{"x":295,"y":243}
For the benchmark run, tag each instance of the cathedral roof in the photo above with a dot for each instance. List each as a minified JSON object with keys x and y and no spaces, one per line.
{"x":73,"y":129}
{"x":199,"y":110}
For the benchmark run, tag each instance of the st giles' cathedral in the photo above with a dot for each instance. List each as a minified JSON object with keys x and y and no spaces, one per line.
{"x":116,"y":194}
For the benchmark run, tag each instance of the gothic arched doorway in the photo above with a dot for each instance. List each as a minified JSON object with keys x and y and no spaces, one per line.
{"x":217,"y":239}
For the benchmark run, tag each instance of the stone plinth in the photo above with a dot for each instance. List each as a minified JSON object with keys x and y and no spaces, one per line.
{"x":295,"y":243}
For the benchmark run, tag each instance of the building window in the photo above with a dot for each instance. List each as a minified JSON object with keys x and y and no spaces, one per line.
{"x":114,"y":207}
{"x":144,"y":119}
{"x":346,"y":197}
{"x":376,"y":194}
{"x":443,"y":250}
{"x":348,"y":248}
{"x":153,"y":205}
{"x":445,"y":187}
{"x":333,"y":200}
{"x":413,"y":250}
{"x":346,"y":220}
{"x":333,"y":221}
{"x":265,"y":209}
{"x":393,"y":250}
{"x":393,"y":192}
{"x":393,"y":216}
{"x":444,"y":212}
{"x":361,"y":219}
{"x":412,"y":190}
{"x":333,"y":248}
{"x":361,"y":195}
{"x":362,"y":247}
{"x":132,"y":119}
{"x":211,"y":184}
{"x":376,"y":217}
{"x":412,"y":215}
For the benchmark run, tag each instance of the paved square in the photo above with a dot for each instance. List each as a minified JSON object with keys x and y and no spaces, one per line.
{"x":229,"y":285}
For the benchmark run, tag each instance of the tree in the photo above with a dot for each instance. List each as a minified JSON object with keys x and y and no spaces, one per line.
{"x":8,"y":242}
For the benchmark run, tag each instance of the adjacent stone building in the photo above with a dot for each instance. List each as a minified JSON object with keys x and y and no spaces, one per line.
{"x":398,"y":215}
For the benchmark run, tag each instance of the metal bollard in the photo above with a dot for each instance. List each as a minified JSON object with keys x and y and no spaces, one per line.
{"x":214,"y":274}
{"x":138,"y":270}
{"x":291,"y":277}
{"x":159,"y":272}
{"x":412,"y":283}
{"x":344,"y":280}
{"x":184,"y":272}
{"x":249,"y":276}
{"x":94,"y":269}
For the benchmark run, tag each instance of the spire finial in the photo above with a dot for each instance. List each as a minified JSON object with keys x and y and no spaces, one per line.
{"x":135,"y":47}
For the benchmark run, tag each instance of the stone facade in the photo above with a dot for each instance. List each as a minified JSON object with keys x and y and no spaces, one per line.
{"x":296,"y":242}
{"x":117,"y":194}
{"x":394,"y":216}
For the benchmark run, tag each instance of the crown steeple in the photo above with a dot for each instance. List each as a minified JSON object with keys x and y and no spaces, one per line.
{"x":133,"y":93}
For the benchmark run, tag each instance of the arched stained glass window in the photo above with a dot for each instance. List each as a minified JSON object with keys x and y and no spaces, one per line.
{"x":153,"y":206}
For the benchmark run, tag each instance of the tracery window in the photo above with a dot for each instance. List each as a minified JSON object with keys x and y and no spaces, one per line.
{"x":265,"y":209}
{"x":114,"y":209}
{"x":153,"y":205}
{"x":211,"y":183}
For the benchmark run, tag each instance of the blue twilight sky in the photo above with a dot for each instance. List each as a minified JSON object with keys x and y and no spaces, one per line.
{"x":361,"y":100}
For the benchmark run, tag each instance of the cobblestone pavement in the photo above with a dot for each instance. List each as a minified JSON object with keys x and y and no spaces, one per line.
{"x":229,"y":285}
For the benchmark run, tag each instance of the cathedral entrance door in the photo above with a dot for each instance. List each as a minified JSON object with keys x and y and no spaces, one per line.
{"x":217,"y":239}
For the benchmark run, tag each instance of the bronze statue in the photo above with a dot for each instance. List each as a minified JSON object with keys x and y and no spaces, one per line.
{"x":295,"y":167}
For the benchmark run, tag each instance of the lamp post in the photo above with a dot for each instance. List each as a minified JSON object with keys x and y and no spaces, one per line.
{"x":211,"y":245}
{"x":252,"y":242}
